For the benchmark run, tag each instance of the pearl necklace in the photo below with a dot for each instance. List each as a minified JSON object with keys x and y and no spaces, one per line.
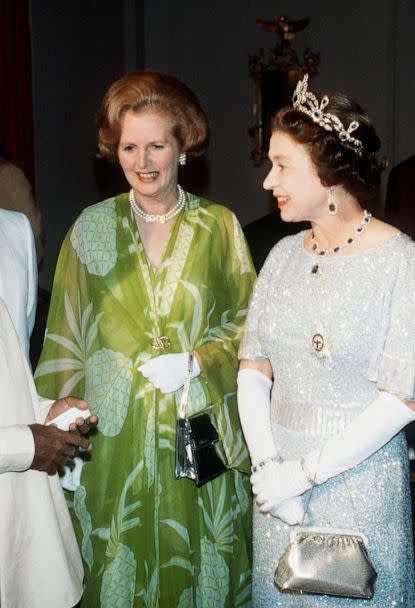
{"x":367,"y":216}
{"x":149,"y":218}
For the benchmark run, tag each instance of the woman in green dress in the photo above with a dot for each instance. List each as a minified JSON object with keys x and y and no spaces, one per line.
{"x":144,"y":279}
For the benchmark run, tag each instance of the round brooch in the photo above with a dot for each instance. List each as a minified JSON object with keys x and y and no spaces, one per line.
{"x":317,"y":342}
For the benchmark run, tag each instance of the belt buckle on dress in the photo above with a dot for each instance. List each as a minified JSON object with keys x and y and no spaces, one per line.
{"x":160,"y":342}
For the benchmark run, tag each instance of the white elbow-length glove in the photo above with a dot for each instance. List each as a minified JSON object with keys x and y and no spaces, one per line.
{"x":364,"y":436}
{"x":254,"y":412}
{"x":168,"y":372}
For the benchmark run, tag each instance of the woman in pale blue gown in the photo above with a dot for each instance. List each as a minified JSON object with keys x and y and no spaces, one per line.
{"x":326,"y":383}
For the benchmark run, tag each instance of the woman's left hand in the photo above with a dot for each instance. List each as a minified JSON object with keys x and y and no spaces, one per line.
{"x":277,"y":482}
{"x":168,"y":372}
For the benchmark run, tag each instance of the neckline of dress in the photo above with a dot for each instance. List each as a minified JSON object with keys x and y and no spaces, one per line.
{"x":154,"y":270}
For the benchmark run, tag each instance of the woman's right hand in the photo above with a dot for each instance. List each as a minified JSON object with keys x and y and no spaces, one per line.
{"x":168,"y":372}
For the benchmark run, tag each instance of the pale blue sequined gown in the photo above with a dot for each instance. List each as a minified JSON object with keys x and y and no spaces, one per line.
{"x":363,"y":306}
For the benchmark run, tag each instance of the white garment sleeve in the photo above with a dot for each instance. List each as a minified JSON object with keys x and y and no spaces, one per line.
{"x":44,"y":406}
{"x":17,"y":195}
{"x":32,"y":277}
{"x":17,"y":448}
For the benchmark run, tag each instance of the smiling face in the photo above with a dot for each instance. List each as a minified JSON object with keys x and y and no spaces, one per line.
{"x":149,"y":155}
{"x":294,"y":181}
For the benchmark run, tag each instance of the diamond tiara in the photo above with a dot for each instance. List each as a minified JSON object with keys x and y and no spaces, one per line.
{"x":305,"y":101}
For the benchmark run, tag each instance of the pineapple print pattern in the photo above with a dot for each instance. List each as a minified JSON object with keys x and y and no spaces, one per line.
{"x":107,"y":389}
{"x":150,"y":591}
{"x":186,"y":599}
{"x":94,"y":237}
{"x":84,"y":518}
{"x":170,"y":544}
{"x":213,"y":580}
{"x":118,"y":581}
{"x":75,"y":346}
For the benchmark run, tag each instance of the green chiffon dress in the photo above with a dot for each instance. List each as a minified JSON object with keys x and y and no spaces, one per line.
{"x":148,"y":540}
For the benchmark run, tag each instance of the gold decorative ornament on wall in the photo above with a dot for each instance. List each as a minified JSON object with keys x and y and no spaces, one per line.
{"x":275,"y":79}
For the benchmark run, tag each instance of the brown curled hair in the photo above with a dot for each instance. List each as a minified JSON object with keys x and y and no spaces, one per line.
{"x":140,"y":91}
{"x":337,"y":162}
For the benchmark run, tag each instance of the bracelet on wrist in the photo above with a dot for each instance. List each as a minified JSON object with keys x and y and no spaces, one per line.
{"x":260,"y":465}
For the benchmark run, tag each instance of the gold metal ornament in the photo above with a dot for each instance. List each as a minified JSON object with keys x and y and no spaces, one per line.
{"x":161,"y":342}
{"x":275,"y":75}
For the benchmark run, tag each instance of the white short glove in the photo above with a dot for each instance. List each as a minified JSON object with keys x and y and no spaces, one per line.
{"x":168,"y":372}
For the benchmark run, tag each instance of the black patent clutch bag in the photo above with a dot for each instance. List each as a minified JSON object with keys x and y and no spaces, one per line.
{"x":199,"y":454}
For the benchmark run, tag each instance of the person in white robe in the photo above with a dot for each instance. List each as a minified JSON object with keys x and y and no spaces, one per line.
{"x":18,"y":273}
{"x":40,"y":563}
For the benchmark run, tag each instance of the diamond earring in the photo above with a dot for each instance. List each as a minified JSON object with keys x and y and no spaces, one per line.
{"x":182,"y":159}
{"x":331,"y":203}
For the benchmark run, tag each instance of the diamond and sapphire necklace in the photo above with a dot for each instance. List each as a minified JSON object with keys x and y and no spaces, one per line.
{"x":315,"y":247}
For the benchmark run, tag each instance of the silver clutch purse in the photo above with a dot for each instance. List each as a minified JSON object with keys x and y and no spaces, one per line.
{"x":326,"y":561}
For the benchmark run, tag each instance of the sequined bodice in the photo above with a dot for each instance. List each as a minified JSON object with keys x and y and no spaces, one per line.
{"x":321,"y":330}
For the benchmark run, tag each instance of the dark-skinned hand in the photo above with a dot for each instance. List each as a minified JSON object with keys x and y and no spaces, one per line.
{"x":53,"y":447}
